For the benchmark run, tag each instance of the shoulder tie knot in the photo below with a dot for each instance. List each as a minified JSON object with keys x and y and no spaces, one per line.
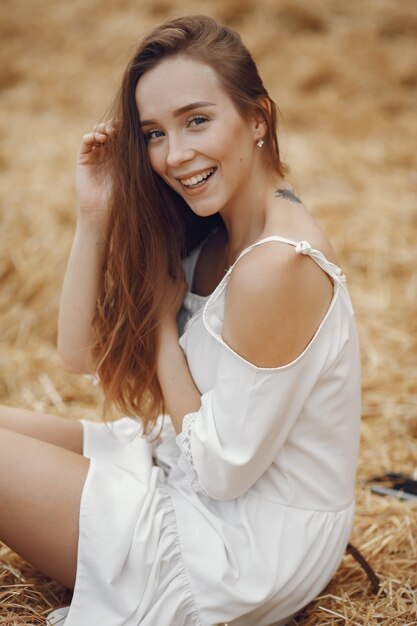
{"x":303,"y":247}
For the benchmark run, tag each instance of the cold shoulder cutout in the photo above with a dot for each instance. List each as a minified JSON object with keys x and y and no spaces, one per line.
{"x":212,"y":307}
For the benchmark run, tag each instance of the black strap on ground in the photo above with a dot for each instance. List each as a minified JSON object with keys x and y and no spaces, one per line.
{"x":375,"y":582}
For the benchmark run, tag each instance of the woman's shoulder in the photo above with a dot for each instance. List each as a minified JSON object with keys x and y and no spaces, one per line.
{"x":276,"y":299}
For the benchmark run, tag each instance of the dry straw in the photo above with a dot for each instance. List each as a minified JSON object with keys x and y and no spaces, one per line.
{"x":345,"y":78}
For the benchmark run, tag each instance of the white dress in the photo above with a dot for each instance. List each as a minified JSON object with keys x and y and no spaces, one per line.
{"x":244,"y":517}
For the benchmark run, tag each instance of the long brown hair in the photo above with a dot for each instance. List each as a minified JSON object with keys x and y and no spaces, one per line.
{"x":150,"y":227}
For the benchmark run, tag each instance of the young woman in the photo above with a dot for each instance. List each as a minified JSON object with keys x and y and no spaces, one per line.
{"x":207,"y":300}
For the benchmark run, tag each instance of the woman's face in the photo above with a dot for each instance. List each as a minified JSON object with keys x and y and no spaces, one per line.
{"x":197,"y":141}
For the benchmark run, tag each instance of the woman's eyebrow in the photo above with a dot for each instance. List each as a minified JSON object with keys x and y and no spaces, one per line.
{"x":181,"y":110}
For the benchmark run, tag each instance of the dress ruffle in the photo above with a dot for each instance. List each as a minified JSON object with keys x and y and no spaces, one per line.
{"x":185,"y":461}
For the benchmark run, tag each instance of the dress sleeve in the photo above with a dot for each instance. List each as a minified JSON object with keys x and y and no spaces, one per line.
{"x":243,"y":421}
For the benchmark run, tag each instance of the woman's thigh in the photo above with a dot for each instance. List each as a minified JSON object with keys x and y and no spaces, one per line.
{"x":40,"y":493}
{"x":60,"y":431}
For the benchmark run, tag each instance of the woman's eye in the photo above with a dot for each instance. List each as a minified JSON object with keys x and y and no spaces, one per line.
{"x":196,"y":120}
{"x":153,"y":134}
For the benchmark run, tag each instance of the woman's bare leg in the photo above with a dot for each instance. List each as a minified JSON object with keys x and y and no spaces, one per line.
{"x":59,"y":431}
{"x":40,"y":492}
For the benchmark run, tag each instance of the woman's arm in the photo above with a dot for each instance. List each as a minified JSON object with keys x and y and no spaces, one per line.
{"x":81,"y":281}
{"x":178,"y":388}
{"x":79,"y":296}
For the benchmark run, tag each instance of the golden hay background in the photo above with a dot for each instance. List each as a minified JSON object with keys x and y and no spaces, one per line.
{"x":344,"y":75}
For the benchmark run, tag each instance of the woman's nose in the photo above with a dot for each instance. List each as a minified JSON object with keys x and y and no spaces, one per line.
{"x":178,"y":152}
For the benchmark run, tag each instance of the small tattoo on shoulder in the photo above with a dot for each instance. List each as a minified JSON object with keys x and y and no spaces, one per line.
{"x":286,"y":194}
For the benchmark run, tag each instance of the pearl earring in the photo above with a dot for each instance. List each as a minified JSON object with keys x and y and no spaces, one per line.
{"x":260,"y":143}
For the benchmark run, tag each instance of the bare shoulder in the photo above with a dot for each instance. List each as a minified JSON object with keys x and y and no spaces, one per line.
{"x":275,"y":301}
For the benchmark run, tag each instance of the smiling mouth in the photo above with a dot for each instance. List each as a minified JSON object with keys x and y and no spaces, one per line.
{"x":199,"y":180}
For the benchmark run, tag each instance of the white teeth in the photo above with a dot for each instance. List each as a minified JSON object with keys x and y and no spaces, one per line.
{"x":189,"y":182}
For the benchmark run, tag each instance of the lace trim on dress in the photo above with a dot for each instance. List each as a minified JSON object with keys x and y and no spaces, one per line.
{"x":185,"y":461}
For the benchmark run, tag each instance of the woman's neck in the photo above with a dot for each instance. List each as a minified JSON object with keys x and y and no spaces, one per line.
{"x":245,"y":223}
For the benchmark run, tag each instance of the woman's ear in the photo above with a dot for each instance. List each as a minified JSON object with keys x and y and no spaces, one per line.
{"x":266,"y":104}
{"x":260,"y":126}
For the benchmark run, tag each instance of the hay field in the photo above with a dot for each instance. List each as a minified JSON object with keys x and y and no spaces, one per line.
{"x":344,"y":75}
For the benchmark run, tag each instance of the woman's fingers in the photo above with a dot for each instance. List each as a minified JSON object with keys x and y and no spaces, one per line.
{"x":107,"y":128}
{"x":97,"y":138}
{"x":102,"y":125}
{"x":92,"y":140}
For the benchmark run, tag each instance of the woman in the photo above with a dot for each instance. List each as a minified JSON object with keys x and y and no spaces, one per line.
{"x":206,"y":298}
